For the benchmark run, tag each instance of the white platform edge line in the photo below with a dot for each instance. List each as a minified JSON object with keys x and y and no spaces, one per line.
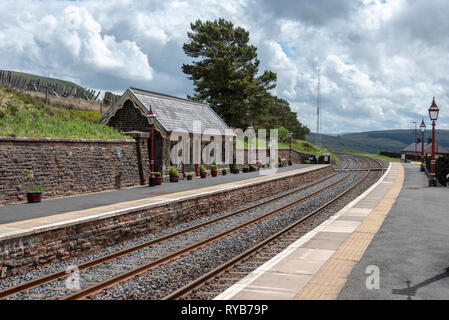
{"x":243,"y":283}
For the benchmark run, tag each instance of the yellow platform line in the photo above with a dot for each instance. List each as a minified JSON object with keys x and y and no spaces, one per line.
{"x":327,"y":283}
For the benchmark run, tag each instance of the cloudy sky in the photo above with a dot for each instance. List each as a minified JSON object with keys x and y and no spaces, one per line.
{"x":381,"y":61}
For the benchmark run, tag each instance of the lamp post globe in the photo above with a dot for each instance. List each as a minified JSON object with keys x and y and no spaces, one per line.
{"x":433,"y":114}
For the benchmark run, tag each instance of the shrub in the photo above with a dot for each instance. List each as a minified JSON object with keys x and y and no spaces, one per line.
{"x":214,"y":167}
{"x":202,"y":168}
{"x":173,"y":172}
{"x":31,"y":187}
{"x":224,"y":171}
{"x":245,"y":166}
{"x":279,"y":159}
{"x":157,"y":174}
{"x":235,"y":166}
{"x":189,"y":175}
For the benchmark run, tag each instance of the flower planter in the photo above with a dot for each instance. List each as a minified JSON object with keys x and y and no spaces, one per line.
{"x":189,"y":177}
{"x":214,"y":173}
{"x":224,"y":173}
{"x":252,"y":169}
{"x":152,"y":181}
{"x":245,"y":170}
{"x":174,"y":178}
{"x":158,"y":181}
{"x":235,"y":171}
{"x":34,"y":197}
{"x":203,"y":175}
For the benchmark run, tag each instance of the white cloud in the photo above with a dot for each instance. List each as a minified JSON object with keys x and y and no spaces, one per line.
{"x":381,"y":61}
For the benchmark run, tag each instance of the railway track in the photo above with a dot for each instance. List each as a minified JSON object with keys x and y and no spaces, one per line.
{"x":223,"y":276}
{"x":152,"y":254}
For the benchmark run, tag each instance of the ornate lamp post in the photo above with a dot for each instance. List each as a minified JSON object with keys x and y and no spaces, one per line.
{"x":422,"y":128}
{"x":433,"y":114}
{"x":290,"y":135}
{"x":151,"y":116}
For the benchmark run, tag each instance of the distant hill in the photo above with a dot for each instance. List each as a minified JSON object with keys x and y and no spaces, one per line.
{"x":46,"y":79}
{"x":376,"y":141}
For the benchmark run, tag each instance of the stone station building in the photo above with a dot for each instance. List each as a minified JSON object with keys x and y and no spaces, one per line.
{"x":172,"y":114}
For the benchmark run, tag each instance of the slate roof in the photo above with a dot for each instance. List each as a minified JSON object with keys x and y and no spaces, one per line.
{"x":176,"y":113}
{"x":427,"y":148}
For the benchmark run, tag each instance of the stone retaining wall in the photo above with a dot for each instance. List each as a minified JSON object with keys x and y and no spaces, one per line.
{"x":22,"y":254}
{"x":69,"y":166}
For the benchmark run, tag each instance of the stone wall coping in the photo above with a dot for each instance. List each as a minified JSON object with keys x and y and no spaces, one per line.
{"x":64,"y":140}
{"x":39,"y":225}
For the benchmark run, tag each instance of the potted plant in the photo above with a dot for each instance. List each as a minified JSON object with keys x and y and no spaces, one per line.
{"x":214,"y":170}
{"x":158,"y":177}
{"x":422,"y":167}
{"x":224,"y":171}
{"x":280,"y":162}
{"x":173,"y":173}
{"x":34,"y":191}
{"x":245,"y":168}
{"x":253,"y":168}
{"x":203,"y":172}
{"x":235,"y":169}
{"x":189,"y":176}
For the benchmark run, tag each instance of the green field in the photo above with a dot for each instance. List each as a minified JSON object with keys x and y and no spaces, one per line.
{"x":23,"y":116}
{"x":376,"y":156}
{"x":45,"y":79}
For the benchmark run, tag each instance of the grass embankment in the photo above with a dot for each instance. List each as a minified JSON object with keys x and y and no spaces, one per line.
{"x":373,"y":155}
{"x":308,"y":148}
{"x":25,"y":116}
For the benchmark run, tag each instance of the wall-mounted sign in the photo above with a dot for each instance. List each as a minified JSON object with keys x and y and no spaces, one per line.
{"x":119,"y":153}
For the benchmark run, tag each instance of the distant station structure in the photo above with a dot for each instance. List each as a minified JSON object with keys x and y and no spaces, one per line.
{"x":129,"y":115}
{"x":414,"y":149}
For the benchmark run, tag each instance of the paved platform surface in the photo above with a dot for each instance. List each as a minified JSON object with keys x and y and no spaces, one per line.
{"x":52,"y":221}
{"x":411,"y":250}
{"x":317,"y":265}
{"x":20,"y":212}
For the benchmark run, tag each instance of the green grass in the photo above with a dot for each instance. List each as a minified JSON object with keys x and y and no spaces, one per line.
{"x":376,"y":156}
{"x":23,"y":116}
{"x":308,"y":148}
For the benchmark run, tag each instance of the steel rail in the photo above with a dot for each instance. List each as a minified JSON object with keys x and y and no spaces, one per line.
{"x":187,"y":289}
{"x":63,"y":274}
{"x":81,"y":294}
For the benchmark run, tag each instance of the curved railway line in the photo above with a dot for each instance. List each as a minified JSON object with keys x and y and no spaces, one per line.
{"x":108,"y":271}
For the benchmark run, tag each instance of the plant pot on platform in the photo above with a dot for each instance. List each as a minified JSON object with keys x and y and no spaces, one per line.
{"x":159,"y":181}
{"x":174,"y":178}
{"x":224,"y":172}
{"x":203,"y":175}
{"x":34,"y":197}
{"x":214,"y":173}
{"x":245,"y":170}
{"x":189,"y":177}
{"x":235,"y":171}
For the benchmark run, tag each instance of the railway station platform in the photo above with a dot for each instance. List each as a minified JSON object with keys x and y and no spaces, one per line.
{"x":57,"y":206}
{"x":317,"y":266}
{"x":35,"y":235}
{"x":411,"y":250}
